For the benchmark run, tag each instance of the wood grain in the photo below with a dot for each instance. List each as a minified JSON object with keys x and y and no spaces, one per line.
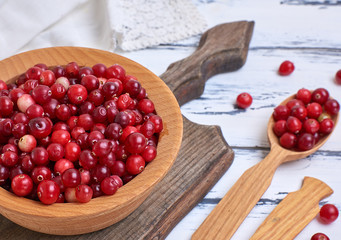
{"x":234,"y":207}
{"x":294,"y":212}
{"x":221,"y":49}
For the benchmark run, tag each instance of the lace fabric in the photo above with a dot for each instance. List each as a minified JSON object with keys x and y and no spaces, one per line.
{"x":153,"y":22}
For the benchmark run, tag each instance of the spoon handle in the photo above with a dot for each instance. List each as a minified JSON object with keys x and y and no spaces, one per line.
{"x":294,"y":212}
{"x":231,"y":211}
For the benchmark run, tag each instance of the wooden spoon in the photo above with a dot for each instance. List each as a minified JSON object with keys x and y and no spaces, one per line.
{"x":294,"y":212}
{"x":231,"y":211}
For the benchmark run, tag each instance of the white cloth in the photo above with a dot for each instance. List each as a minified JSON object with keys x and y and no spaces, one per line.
{"x":104,"y":24}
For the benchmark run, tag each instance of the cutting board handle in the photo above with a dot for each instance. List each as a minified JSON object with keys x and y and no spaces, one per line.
{"x":222,"y":48}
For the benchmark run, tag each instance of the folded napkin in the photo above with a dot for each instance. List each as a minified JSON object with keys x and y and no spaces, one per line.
{"x":104,"y":24}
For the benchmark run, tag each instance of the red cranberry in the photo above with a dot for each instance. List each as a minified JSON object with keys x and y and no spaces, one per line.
{"x":146,"y":106}
{"x":49,"y":108}
{"x":62,"y":165}
{"x":72,"y":151}
{"x":34,"y":111}
{"x":43,"y":66}
{"x":305,"y":142}
{"x":108,"y":160}
{"x":6,"y":106}
{"x":77,"y":94}
{"x":29,"y":85}
{"x":71,"y":178}
{"x":158,"y":124}
{"x":27,"y":143}
{"x":58,"y":71}
{"x":86,"y":107}
{"x":99,"y":114}
{"x":40,"y":173}
{"x":304,"y":95}
{"x":286,"y":68}
{"x":3,"y":85}
{"x":102,"y":147}
{"x":40,"y":156}
{"x":319,"y":236}
{"x":93,"y":137}
{"x":72,"y":70}
{"x":280,"y":128}
{"x":24,"y":101}
{"x":326,"y":126}
{"x":96,"y":97}
{"x":87,"y":159}
{"x":109,"y":186}
{"x":288,"y":140}
{"x":9,"y":159}
{"x":61,"y":136}
{"x":118,"y":168}
{"x":99,"y":172}
{"x":85,"y":71}
{"x":113,"y":131}
{"x":135,"y":143}
{"x":149,"y":153}
{"x":244,"y":100}
{"x":115,"y":71}
{"x":33,"y":73}
{"x":314,"y":110}
{"x":332,"y":107}
{"x":58,"y":90}
{"x":84,"y":193}
{"x":55,"y":151}
{"x":320,"y":95}
{"x":6,"y":126}
{"x":14,"y":94}
{"x":135,"y":164}
{"x":22,"y":185}
{"x":294,"y":125}
{"x":99,"y":70}
{"x":20,"y":118}
{"x":338,"y":77}
{"x":48,"y":191}
{"x":90,"y":82}
{"x":47,"y":78}
{"x":63,"y":112}
{"x":39,"y":127}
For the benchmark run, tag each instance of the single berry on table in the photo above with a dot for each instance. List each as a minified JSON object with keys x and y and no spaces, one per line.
{"x":286,"y":68}
{"x":244,"y":100}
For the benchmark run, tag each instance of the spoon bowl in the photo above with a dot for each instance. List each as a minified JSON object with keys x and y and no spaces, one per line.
{"x":234,"y":207}
{"x":292,"y":155}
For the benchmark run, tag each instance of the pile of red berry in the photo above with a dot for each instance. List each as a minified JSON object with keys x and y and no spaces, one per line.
{"x":72,"y":133}
{"x":301,"y":122}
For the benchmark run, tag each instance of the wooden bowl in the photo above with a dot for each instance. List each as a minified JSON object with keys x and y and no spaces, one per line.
{"x":101,"y":212}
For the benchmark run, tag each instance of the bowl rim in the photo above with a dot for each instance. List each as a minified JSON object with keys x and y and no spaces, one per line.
{"x":168,"y":147}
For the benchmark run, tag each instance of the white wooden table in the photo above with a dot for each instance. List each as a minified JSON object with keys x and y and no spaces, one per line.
{"x":307,"y":34}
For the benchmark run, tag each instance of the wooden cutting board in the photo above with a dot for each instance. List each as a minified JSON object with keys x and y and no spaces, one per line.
{"x":204,"y":155}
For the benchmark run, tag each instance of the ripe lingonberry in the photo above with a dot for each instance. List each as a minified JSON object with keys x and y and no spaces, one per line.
{"x":244,"y":100}
{"x":67,"y":132}
{"x":286,"y":68}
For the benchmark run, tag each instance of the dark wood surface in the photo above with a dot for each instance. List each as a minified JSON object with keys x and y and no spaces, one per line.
{"x":204,"y":155}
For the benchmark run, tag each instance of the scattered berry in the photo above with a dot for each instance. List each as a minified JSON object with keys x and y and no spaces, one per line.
{"x":328,"y":213}
{"x":286,"y":68}
{"x":244,"y":100}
